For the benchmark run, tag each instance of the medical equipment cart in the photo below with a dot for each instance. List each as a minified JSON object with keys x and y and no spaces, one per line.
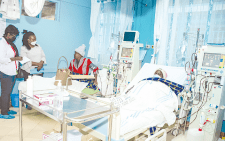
{"x":75,"y":110}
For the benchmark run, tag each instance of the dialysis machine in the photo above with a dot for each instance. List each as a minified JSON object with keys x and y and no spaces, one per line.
{"x":209,"y":94}
{"x":128,"y":59}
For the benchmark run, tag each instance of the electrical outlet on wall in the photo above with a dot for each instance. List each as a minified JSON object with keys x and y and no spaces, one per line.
{"x":147,"y":46}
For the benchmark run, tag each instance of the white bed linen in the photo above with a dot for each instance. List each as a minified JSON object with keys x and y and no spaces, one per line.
{"x":142,"y":108}
{"x":153,"y":104}
{"x":42,"y":83}
{"x":174,"y":74}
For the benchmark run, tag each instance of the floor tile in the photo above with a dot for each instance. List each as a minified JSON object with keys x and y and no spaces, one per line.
{"x":37,"y":134}
{"x":10,"y":123}
{"x":1,"y":120}
{"x":15,"y":132}
{"x":29,"y":125}
{"x":5,"y":130}
{"x":31,"y":139}
{"x":9,"y":138}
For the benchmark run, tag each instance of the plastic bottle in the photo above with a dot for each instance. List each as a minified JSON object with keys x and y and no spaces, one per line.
{"x":30,"y":88}
{"x":202,"y":119}
{"x":58,"y":101}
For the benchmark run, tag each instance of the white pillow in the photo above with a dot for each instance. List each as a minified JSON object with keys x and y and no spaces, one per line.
{"x":174,"y":74}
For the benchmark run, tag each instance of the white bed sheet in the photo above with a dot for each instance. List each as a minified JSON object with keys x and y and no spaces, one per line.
{"x":42,"y":83}
{"x":174,"y":74}
{"x":132,"y":115}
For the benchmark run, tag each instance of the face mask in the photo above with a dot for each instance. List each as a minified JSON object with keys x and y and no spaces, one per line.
{"x":33,"y":43}
{"x":11,"y":39}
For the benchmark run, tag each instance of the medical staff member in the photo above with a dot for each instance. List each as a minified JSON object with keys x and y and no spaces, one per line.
{"x":9,"y":58}
{"x":80,"y":66}
{"x":34,"y":52}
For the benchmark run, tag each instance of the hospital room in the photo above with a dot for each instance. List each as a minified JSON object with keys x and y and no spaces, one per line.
{"x":112,"y":70}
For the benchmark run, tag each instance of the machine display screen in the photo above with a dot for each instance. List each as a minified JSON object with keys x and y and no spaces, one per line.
{"x":213,"y":60}
{"x":127,"y":52}
{"x":129,"y":36}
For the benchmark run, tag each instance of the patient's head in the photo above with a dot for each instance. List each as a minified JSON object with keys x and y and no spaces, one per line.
{"x":160,"y":72}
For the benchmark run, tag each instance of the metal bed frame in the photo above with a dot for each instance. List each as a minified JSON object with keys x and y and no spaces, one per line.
{"x":66,"y":118}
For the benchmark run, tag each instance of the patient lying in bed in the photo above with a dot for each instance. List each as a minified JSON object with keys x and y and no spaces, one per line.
{"x":150,"y":103}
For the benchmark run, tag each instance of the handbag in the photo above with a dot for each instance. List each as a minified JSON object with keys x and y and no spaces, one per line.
{"x":62,"y":74}
{"x":19,"y":73}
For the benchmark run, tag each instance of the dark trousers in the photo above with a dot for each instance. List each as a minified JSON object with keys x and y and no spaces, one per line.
{"x":7,"y":83}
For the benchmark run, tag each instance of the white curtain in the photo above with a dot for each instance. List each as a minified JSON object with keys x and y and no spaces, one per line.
{"x":107,"y":21}
{"x":126,"y":15}
{"x":176,"y":26}
{"x":33,"y":7}
{"x":94,"y":25}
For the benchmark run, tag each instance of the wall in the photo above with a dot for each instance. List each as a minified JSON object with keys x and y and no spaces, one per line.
{"x":144,"y":18}
{"x":59,"y":38}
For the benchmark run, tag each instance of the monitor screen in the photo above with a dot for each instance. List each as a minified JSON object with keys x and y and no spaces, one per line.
{"x":127,"y":52}
{"x":212,"y":60}
{"x":129,"y":36}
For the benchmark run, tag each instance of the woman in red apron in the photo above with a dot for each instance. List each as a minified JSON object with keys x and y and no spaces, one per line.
{"x":80,"y":66}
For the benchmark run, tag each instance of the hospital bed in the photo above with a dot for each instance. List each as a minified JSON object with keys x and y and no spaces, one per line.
{"x":99,"y":127}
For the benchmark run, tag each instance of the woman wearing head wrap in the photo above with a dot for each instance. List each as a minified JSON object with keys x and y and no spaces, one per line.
{"x":80,"y":65}
{"x":160,"y":73}
{"x":9,"y":58}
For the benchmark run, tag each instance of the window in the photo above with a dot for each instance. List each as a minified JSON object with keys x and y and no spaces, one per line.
{"x":49,"y":11}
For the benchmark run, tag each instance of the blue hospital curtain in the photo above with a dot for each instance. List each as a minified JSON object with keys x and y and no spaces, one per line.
{"x":176,"y":26}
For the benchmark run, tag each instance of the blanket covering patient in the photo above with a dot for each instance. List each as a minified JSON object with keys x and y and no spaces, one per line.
{"x":152,"y":102}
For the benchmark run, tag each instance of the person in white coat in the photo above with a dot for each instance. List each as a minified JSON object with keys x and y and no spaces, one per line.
{"x":9,"y":58}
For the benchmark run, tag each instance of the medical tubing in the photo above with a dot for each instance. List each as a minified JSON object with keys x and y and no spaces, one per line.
{"x":200,"y":88}
{"x":100,"y":80}
{"x":197,"y":112}
{"x":203,"y":88}
{"x":192,"y":98}
{"x":186,"y":67}
{"x":197,"y":104}
{"x":196,"y":94}
{"x":193,"y":64}
{"x":202,"y":105}
{"x":123,"y":77}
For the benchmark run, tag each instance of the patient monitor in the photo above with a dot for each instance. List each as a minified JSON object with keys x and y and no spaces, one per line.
{"x":131,"y":37}
{"x":210,"y":91}
{"x":128,"y":59}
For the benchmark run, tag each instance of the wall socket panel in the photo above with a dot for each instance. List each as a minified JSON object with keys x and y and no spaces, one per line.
{"x":148,"y":46}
